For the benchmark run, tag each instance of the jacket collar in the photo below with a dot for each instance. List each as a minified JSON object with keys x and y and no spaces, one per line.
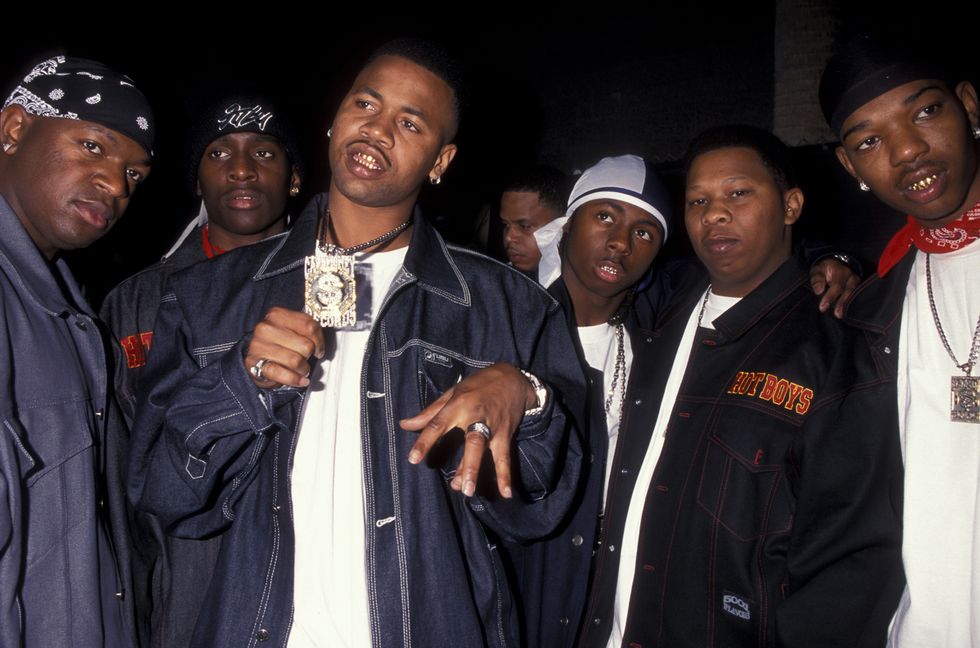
{"x":427,"y":261}
{"x":559,"y":291}
{"x":34,"y":273}
{"x":739,"y":319}
{"x":770,"y":294}
{"x":877,"y":303}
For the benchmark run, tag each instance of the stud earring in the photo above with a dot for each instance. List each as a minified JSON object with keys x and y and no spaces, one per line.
{"x":976,"y":132}
{"x":294,"y":191}
{"x":862,"y":186}
{"x":329,"y":133}
{"x":436,"y":180}
{"x":6,"y":146}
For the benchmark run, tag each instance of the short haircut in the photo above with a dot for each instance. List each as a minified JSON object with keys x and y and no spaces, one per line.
{"x":550,"y":184}
{"x":434,"y":57}
{"x":774,"y":154}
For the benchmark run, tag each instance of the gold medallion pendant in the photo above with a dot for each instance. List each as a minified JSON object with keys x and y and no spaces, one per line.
{"x":331,"y":292}
{"x":330,"y":295}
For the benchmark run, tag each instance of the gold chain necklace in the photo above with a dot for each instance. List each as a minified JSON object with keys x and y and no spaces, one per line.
{"x":331,"y":289}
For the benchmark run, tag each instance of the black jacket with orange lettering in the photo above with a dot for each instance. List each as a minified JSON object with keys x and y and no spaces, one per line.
{"x":774,"y":514}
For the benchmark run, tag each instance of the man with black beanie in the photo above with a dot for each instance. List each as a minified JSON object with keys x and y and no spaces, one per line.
{"x":244,"y":165}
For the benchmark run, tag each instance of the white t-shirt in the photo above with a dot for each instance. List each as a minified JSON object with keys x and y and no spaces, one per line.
{"x":713,"y":309}
{"x":600,"y":349}
{"x":330,"y":602}
{"x":941,"y":547}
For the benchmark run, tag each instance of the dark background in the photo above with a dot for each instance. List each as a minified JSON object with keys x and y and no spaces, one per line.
{"x":546,"y":86}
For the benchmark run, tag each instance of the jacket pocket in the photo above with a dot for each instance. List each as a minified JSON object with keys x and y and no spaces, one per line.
{"x":743,"y":484}
{"x":438,"y":369}
{"x":60,"y":474}
{"x":207,"y":354}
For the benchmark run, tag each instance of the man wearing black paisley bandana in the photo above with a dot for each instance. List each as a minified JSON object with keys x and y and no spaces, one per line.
{"x":76,"y":139}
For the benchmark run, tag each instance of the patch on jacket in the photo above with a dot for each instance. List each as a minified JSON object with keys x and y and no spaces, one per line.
{"x":770,"y":387}
{"x":437,"y":358}
{"x":736,"y":605}
{"x":135,"y":347}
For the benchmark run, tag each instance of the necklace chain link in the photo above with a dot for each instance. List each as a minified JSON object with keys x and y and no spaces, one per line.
{"x":967,"y":366}
{"x":619,"y":373}
{"x":704,"y":304}
{"x":330,"y":248}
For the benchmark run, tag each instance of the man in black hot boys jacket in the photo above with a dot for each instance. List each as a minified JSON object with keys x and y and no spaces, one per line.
{"x":768,"y":512}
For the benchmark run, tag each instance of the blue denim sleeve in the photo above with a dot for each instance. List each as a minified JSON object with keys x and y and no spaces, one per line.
{"x":199,"y":432}
{"x":547,"y":448}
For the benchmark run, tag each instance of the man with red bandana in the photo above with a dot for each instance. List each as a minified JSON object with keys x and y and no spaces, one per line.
{"x":909,"y":134}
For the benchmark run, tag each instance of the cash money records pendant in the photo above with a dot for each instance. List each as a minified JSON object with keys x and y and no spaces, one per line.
{"x":331,"y":292}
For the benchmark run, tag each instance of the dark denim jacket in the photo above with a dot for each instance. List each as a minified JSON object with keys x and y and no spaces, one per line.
{"x":59,"y":583}
{"x":773,"y":517}
{"x":213,"y":453}
{"x":553,"y":573}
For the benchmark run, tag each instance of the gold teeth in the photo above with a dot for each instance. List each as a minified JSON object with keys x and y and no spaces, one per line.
{"x":368,"y":161}
{"x":923,"y":183}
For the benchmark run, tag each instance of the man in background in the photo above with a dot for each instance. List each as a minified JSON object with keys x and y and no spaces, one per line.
{"x":531,"y":199}
{"x":244,"y":165}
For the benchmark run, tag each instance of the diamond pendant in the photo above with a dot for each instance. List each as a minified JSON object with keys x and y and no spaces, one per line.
{"x":965,"y":399}
{"x":331,"y":295}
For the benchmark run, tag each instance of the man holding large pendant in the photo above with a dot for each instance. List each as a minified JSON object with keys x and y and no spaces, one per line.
{"x":909,"y":134}
{"x":297,"y":443}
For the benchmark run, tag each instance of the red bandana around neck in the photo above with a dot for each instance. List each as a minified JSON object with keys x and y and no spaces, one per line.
{"x":210,"y":250}
{"x":955,"y":235}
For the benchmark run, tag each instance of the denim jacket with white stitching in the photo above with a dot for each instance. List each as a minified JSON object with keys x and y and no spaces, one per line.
{"x":213,"y":453}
